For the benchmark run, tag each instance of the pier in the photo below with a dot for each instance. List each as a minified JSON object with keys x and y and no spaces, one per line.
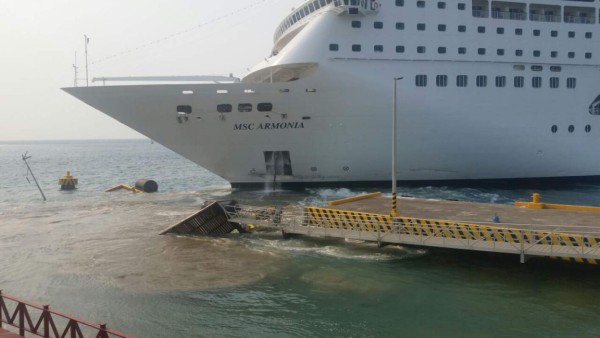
{"x":571,"y":234}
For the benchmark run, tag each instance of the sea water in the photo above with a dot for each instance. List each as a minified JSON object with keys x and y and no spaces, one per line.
{"x":98,"y":256}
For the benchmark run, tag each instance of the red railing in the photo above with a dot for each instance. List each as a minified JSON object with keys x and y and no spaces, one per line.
{"x":46,"y":326}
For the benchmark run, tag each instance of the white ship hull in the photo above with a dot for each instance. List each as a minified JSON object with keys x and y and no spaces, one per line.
{"x":334,"y":125}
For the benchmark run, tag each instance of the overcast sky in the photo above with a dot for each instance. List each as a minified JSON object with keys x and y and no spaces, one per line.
{"x":38,"y":40}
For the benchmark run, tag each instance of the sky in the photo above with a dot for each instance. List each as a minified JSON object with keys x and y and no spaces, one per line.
{"x":39,"y":39}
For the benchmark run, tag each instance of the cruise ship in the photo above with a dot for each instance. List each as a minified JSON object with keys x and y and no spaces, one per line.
{"x":485,"y":90}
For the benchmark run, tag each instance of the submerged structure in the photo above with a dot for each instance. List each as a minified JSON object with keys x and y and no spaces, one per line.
{"x":490,"y":90}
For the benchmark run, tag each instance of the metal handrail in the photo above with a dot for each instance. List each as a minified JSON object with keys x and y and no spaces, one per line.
{"x":46,"y":326}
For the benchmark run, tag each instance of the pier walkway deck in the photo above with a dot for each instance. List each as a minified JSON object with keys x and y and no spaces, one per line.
{"x":8,"y":334}
{"x":571,"y":235}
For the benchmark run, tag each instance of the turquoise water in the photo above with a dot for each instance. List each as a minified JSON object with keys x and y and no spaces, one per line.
{"x":98,"y":256}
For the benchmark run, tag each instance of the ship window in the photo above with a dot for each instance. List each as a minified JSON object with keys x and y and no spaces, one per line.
{"x":553,"y":54}
{"x":500,"y":51}
{"x":441,"y":80}
{"x":399,"y":25}
{"x":555,"y":68}
{"x":519,"y":67}
{"x":399,"y":3}
{"x":571,"y":55}
{"x":421,"y":80}
{"x":461,"y":6}
{"x":499,"y":30}
{"x":481,"y":81}
{"x":554,"y":129}
{"x":519,"y":81}
{"x":421,"y":49}
{"x":588,"y":128}
{"x":421,"y":4}
{"x":224,"y":108}
{"x":323,"y":3}
{"x":588,"y":55}
{"x":481,"y":51}
{"x":480,"y":29}
{"x":518,"y":31}
{"x":536,"y":32}
{"x":244,"y":107}
{"x":441,"y":5}
{"x":588,"y":35}
{"x":378,"y":25}
{"x":399,"y":49}
{"x":519,"y":52}
{"x":184,"y":109}
{"x":441,"y":50}
{"x":421,"y":26}
{"x":263,"y":107}
{"x":378,"y":48}
{"x":554,"y":82}
{"x":356,"y":24}
{"x":553,"y":34}
{"x":571,"y":34}
{"x":571,"y":128}
{"x":571,"y":82}
{"x":536,"y":82}
{"x":500,"y":81}
{"x":537,"y":68}
{"x":356,"y":48}
{"x":536,"y":53}
{"x":461,"y":81}
{"x":334,"y":47}
{"x":462,"y":28}
{"x":442,"y":28}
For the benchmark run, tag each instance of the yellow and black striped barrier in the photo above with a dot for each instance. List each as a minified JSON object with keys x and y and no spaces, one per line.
{"x":385,"y":224}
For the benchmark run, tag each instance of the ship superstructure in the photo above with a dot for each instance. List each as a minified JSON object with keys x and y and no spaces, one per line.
{"x":490,"y":90}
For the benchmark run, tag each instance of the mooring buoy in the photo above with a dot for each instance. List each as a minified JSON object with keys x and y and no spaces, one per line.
{"x":68,"y":182}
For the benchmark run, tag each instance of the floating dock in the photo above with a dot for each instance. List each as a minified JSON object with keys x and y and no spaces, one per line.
{"x":526,"y":231}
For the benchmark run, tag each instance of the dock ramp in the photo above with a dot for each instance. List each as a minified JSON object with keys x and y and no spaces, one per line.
{"x":211,"y":220}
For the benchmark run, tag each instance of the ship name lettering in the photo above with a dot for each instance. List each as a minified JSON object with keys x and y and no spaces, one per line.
{"x":268,"y":126}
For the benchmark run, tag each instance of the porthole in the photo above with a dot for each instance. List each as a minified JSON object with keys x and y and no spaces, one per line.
{"x":571,"y":128}
{"x":346,"y":168}
{"x":264,"y":107}
{"x":554,"y":129}
{"x":588,"y":128}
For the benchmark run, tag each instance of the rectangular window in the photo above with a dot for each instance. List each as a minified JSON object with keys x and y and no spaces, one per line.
{"x":519,"y":52}
{"x":461,"y":81}
{"x":571,"y":82}
{"x":421,"y":4}
{"x":536,"y":32}
{"x":499,"y":30}
{"x":481,"y":29}
{"x":334,"y":47}
{"x":421,"y":80}
{"x":421,"y":26}
{"x":399,"y":25}
{"x":378,"y":48}
{"x":245,"y":107}
{"x":519,"y":81}
{"x":399,"y":3}
{"x":356,"y":24}
{"x":442,"y":28}
{"x":421,"y":49}
{"x":571,"y":55}
{"x":224,"y":108}
{"x":378,"y":25}
{"x":441,"y":80}
{"x":462,"y":50}
{"x":518,"y":31}
{"x":500,"y":81}
{"x":536,"y":53}
{"x":536,"y":82}
{"x":481,"y":81}
{"x":399,"y":49}
{"x":588,"y":35}
{"x":588,"y":55}
{"x":554,"y":82}
{"x":500,"y":51}
{"x":462,"y":28}
{"x":441,"y":50}
{"x":481,"y":51}
{"x":553,"y":34}
{"x":441,"y":5}
{"x":264,"y":107}
{"x":356,"y":48}
{"x":553,"y":54}
{"x":185,"y":109}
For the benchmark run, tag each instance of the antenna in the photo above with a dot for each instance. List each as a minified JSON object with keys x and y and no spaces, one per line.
{"x":25,"y":158}
{"x":87,"y":41}
{"x":75,"y":68}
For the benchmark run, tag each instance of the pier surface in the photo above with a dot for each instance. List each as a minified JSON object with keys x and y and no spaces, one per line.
{"x":477,"y":212}
{"x":8,"y":334}
{"x":568,"y":234}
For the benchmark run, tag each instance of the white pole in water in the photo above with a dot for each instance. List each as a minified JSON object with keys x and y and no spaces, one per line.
{"x":25,"y":158}
{"x":87,"y":41}
{"x":394,"y":212}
